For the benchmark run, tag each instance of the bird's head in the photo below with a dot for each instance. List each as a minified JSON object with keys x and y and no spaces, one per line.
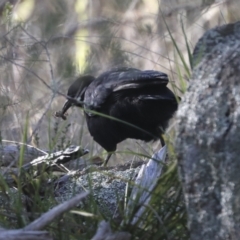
{"x":75,"y":94}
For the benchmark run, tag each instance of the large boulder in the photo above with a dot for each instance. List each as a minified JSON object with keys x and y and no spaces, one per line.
{"x":208,"y":136}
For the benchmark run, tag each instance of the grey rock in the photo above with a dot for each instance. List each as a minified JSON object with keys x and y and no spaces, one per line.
{"x":208,"y":137}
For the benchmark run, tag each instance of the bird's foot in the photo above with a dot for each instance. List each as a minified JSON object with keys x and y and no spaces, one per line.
{"x":106,"y":160}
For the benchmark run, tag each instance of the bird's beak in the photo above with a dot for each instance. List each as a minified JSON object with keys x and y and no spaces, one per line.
{"x":66,"y":106}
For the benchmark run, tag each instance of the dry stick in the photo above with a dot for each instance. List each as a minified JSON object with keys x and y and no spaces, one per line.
{"x":48,"y":217}
{"x":32,"y":231}
{"x":21,"y":234}
{"x":146,"y":181}
{"x":104,"y":231}
{"x":49,"y":160}
{"x":25,"y":144}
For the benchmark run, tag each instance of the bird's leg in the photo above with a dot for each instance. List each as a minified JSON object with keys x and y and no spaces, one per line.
{"x":162,"y":140}
{"x":106,"y":160}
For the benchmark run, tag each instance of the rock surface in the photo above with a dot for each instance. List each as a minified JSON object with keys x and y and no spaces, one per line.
{"x":208,"y":136}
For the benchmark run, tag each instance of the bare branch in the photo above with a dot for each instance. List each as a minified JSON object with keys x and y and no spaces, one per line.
{"x":57,"y":211}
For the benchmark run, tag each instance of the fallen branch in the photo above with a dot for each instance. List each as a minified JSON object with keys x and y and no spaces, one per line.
{"x":48,"y":217}
{"x":104,"y":232}
{"x":145,"y":183}
{"x":21,"y":234}
{"x":44,"y":163}
{"x":10,"y":153}
{"x":32,"y":231}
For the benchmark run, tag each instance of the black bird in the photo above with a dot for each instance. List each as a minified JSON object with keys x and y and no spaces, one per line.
{"x":140,"y":98}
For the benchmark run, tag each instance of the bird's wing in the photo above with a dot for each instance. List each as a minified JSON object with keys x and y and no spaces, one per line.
{"x":140,"y":79}
{"x":163,"y":97}
{"x":119,"y":80}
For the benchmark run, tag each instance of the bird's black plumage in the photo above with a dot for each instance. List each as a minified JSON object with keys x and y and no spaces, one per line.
{"x":140,"y":98}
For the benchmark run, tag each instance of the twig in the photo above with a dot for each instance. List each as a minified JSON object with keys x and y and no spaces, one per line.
{"x":21,"y":143}
{"x":49,"y":160}
{"x":32,"y":231}
{"x":48,"y":217}
{"x":104,"y":232}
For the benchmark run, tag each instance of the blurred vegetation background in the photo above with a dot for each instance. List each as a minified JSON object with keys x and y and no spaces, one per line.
{"x":45,"y":44}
